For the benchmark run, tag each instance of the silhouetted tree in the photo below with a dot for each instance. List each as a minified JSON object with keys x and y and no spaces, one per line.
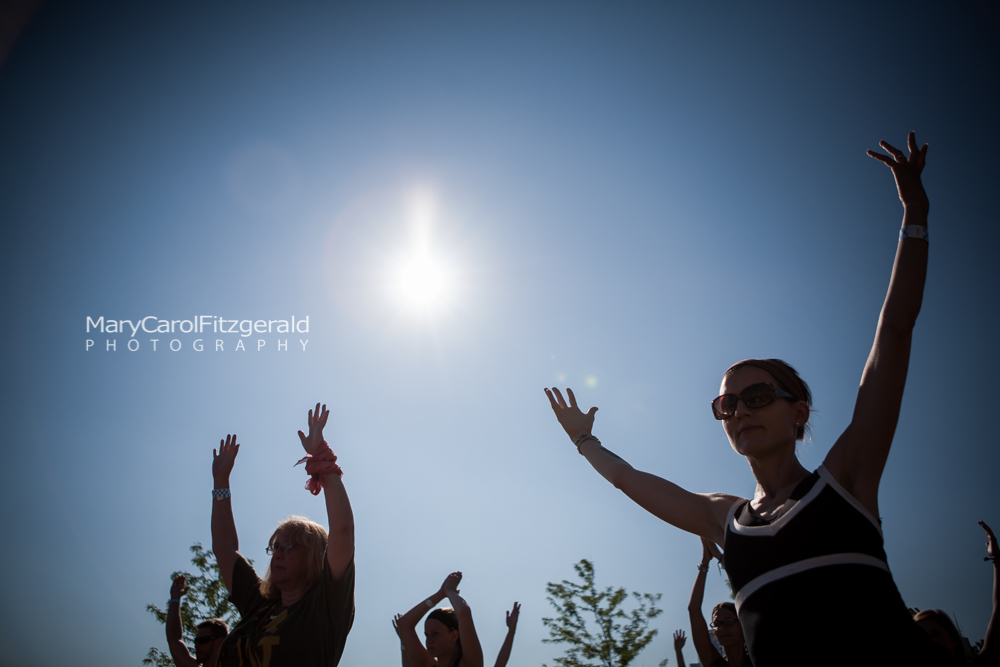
{"x":619,"y":636}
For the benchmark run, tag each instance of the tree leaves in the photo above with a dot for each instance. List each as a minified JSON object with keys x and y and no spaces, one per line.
{"x":619,"y":635}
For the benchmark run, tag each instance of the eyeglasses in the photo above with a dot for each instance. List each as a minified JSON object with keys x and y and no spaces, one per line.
{"x":204,"y":640}
{"x":724,"y":623}
{"x":283,"y":547}
{"x":755,"y":396}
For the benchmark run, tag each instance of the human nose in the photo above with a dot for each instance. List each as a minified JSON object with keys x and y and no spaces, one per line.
{"x":741,"y":408}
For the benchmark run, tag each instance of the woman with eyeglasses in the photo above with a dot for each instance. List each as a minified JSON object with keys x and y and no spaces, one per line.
{"x":449,"y":633}
{"x":301,"y":611}
{"x":804,"y":555}
{"x":725,"y":622}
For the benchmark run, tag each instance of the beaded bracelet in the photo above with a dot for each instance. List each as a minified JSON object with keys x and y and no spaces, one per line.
{"x":221,"y":494}
{"x":582,"y":438}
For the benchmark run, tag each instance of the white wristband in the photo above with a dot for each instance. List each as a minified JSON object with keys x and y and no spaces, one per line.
{"x":914,"y":232}
{"x":429,"y":603}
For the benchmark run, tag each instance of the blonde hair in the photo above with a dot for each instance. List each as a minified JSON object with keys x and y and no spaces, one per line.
{"x":308,"y":534}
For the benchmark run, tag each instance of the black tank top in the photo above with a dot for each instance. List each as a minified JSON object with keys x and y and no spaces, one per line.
{"x":813,"y":587}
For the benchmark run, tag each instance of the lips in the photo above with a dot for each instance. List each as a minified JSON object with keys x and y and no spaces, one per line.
{"x":746,"y":429}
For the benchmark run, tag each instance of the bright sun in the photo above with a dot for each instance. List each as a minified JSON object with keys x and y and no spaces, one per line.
{"x":421,"y":277}
{"x":423,"y":282}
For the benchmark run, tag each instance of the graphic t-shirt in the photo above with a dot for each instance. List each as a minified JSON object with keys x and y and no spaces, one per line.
{"x":312,"y":632}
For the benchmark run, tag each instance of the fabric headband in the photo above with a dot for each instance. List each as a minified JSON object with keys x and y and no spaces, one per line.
{"x":791,"y":383}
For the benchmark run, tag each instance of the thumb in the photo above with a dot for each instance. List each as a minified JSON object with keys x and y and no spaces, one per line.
{"x":590,"y":413}
{"x":302,"y":437}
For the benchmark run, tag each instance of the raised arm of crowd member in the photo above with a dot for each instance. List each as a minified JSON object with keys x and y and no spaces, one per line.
{"x":679,"y":640}
{"x":701,"y":514}
{"x":508,"y":643}
{"x":707,"y":654}
{"x":939,"y":627}
{"x":402,"y":649}
{"x":225,"y":541}
{"x":208,"y":640}
{"x":990,"y":653}
{"x":858,"y":457}
{"x":340,"y":549}
{"x":450,"y":633}
{"x":175,"y":642}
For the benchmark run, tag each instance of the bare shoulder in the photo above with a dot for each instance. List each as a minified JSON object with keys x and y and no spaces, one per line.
{"x":720,"y":505}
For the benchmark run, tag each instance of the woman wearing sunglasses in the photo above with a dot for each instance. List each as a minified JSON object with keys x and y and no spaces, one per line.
{"x":804,"y":555}
{"x":301,"y":611}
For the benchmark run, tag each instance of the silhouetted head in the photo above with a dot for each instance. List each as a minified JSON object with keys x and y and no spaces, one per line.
{"x":726,"y":627}
{"x":208,"y":640}
{"x":441,"y":634}
{"x":940,"y":628}
{"x":764,"y":404}
{"x":298,"y":547}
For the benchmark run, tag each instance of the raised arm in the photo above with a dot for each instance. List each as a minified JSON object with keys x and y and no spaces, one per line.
{"x":990,"y":653}
{"x":698,"y":513}
{"x":406,"y":626}
{"x":707,"y":652}
{"x":404,"y":656}
{"x":679,"y":640}
{"x":858,"y":457}
{"x":472,"y":651}
{"x":340,"y":549}
{"x":508,"y":643}
{"x":175,"y":642}
{"x":225,"y":542}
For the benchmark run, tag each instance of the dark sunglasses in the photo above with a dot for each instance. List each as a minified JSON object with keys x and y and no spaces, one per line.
{"x":755,"y":396}
{"x":724,"y":623}
{"x":204,"y":640}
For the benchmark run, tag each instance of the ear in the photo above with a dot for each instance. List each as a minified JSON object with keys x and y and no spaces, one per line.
{"x":800,"y":413}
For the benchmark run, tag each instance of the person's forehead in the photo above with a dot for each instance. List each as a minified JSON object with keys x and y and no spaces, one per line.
{"x":723,"y":612}
{"x":204,"y":632}
{"x":743,"y":377}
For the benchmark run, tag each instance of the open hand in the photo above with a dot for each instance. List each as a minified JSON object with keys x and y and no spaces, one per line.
{"x":512,"y":617}
{"x":992,"y":551}
{"x":395,"y":624}
{"x":679,"y":640}
{"x":224,"y":458}
{"x":572,"y":419}
{"x":317,"y":420}
{"x":450,"y":585}
{"x":906,"y":171}
{"x":177,"y":589}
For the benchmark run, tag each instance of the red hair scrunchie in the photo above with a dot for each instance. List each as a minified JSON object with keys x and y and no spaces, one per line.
{"x":323,"y":462}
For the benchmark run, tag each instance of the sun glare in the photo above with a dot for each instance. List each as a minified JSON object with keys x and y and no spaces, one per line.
{"x":421,"y":277}
{"x":423,"y":282}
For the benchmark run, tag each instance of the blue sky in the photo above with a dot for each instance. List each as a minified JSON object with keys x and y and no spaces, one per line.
{"x":630,"y":197}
